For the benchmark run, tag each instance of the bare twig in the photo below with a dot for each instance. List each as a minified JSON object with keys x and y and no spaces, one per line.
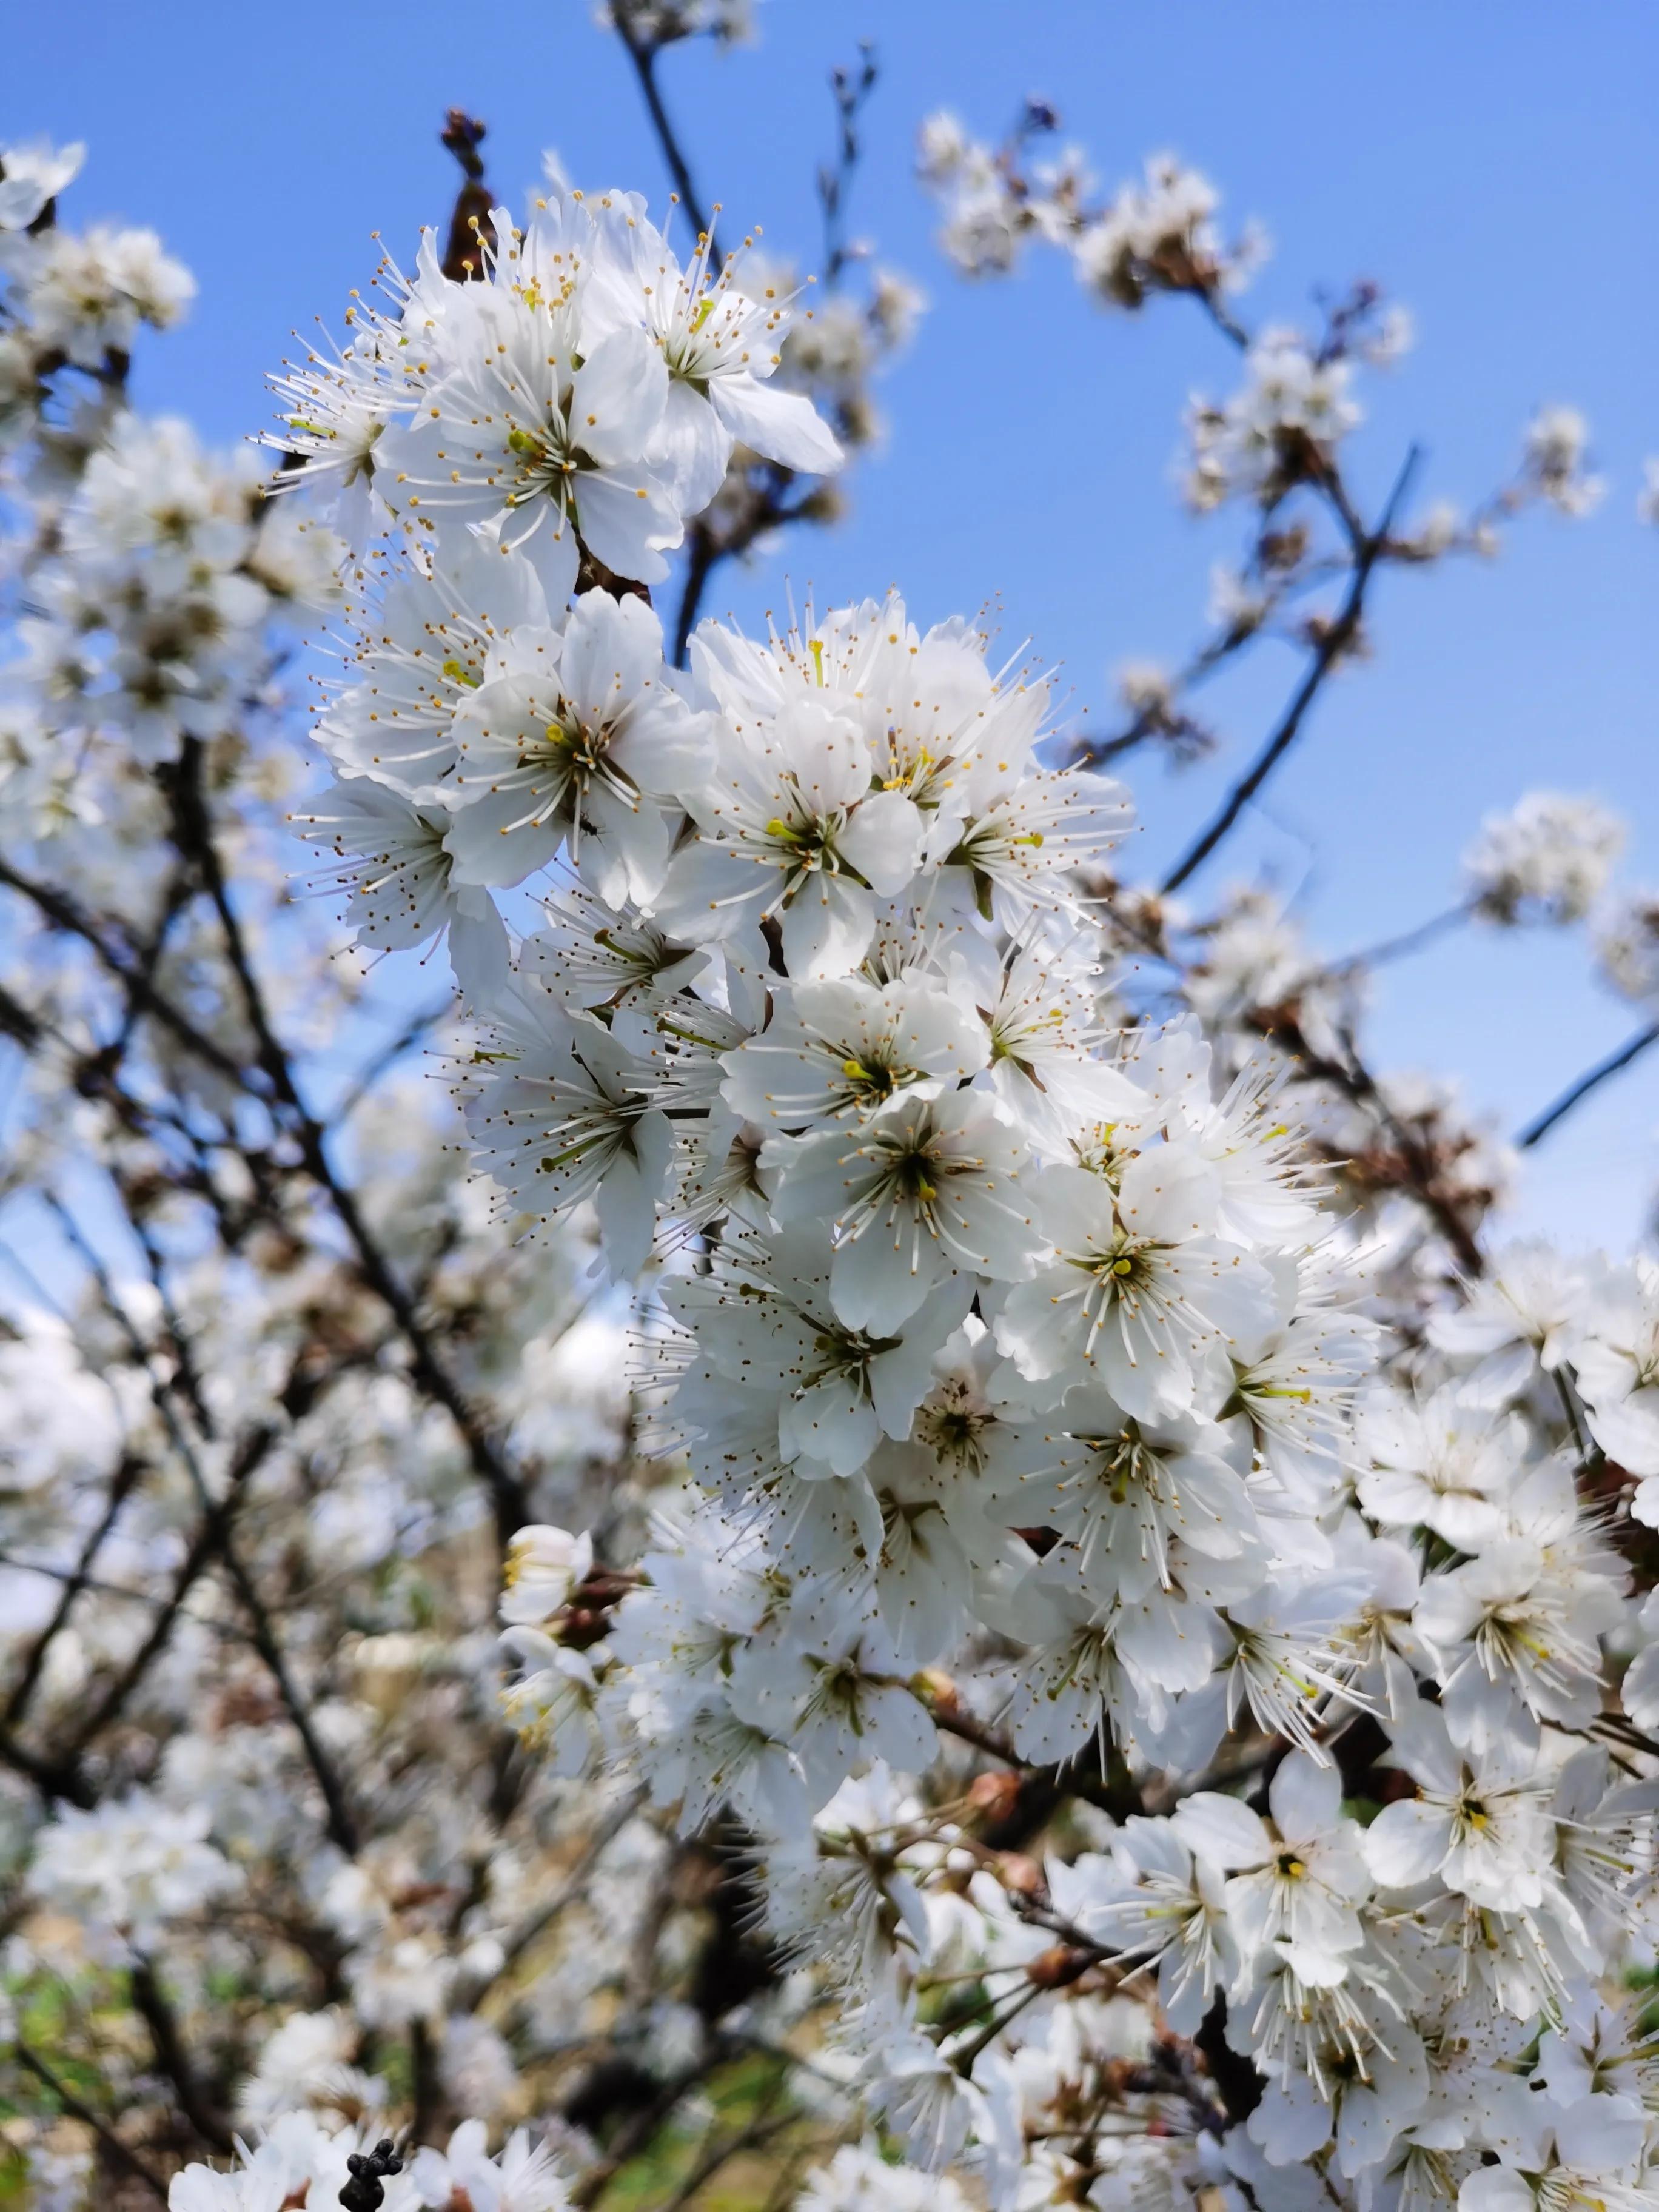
{"x":127,"y":1472}
{"x":851,"y":90}
{"x":1420,"y":1173}
{"x":643,"y":55}
{"x":506,"y":1491}
{"x":151,"y":2003}
{"x":1408,"y":941}
{"x":340,"y":1822}
{"x":1333,"y":642}
{"x":1590,"y":1081}
{"x":123,"y":2154}
{"x":62,"y":911}
{"x":765,"y":2124}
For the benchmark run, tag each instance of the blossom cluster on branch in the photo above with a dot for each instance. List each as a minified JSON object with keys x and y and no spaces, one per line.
{"x":1104,"y":1648}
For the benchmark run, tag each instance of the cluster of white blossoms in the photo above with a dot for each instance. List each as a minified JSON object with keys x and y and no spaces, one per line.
{"x":1547,"y":860}
{"x":172,"y":1838}
{"x":1558,"y":449}
{"x":152,"y":571}
{"x":1133,"y":1629}
{"x":129,"y":1869}
{"x":587,"y":393}
{"x":151,"y":621}
{"x":587,"y":389}
{"x":81,"y":296}
{"x":1627,"y":947}
{"x":1012,"y":1358}
{"x":1156,"y":235}
{"x":1294,"y":411}
{"x":301,"y":2160}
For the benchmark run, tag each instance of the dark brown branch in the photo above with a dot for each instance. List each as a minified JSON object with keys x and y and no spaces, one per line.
{"x":58,"y":1781}
{"x":1590,"y":1081}
{"x":127,"y":2158}
{"x":507,"y":1491}
{"x":62,"y":911}
{"x":1408,"y":941}
{"x":340,"y":1821}
{"x":1236,"y":2080}
{"x":126,"y":1474}
{"x":204,"y":1547}
{"x":1350,"y":1075}
{"x":703,"y":555}
{"x":471,"y":234}
{"x":426,"y":2090}
{"x":150,"y":2002}
{"x":643,"y":55}
{"x":1333,"y":644}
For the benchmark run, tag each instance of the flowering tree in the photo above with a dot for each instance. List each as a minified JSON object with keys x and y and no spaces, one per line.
{"x":1070,"y":1629}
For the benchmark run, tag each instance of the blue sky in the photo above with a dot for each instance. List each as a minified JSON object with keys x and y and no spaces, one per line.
{"x":1493,"y":166}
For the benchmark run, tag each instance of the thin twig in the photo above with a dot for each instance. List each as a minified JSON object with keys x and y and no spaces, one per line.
{"x":1350,"y":1074}
{"x":123,"y":2154}
{"x":128,"y":1470}
{"x":1408,"y":941}
{"x":533,"y":1924}
{"x":1591,"y":1080}
{"x":207,"y":1542}
{"x":636,"y":2131}
{"x":851,"y":90}
{"x":643,"y":55}
{"x":1331,"y":645}
{"x":150,"y":2001}
{"x":340,"y":1821}
{"x":389,"y":1053}
{"x":62,"y":911}
{"x":765,"y":2124}
{"x":506,"y":1491}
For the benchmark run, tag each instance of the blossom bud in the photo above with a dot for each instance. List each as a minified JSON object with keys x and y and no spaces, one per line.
{"x":544,"y":1565}
{"x":1058,"y":1967}
{"x":994,"y":1794}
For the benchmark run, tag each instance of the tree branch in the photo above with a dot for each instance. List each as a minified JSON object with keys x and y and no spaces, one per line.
{"x":643,"y":55}
{"x":340,"y":1822}
{"x":1408,"y":941}
{"x":1331,"y":645}
{"x":506,"y":1490}
{"x":1590,"y":1081}
{"x":1354,"y":1079}
{"x":62,"y":911}
{"x":125,"y":2157}
{"x":126,"y":1474}
{"x":150,"y":2002}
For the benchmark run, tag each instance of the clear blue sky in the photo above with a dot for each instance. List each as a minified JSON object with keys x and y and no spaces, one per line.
{"x":1494,"y":166}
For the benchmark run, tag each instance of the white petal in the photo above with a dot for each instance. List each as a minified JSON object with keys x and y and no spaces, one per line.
{"x":1406,"y":1843}
{"x":782,"y":426}
{"x":617,"y":398}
